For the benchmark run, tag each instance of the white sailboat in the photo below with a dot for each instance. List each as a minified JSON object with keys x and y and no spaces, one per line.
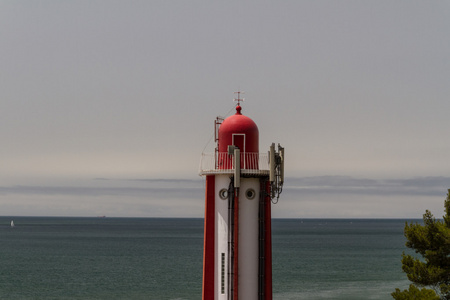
{"x":12,"y":223}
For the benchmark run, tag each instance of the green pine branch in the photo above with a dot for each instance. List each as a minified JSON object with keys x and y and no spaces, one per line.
{"x":432,"y":242}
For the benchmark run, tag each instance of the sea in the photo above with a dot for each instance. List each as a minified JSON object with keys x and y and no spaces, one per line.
{"x":161,"y":258}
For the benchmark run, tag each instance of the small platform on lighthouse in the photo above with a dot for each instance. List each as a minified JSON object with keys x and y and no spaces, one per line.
{"x":221,"y":163}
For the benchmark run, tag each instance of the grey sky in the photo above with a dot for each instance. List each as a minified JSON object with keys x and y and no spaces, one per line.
{"x":126,"y":90}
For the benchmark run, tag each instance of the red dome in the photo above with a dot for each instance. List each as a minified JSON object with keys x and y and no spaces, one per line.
{"x":239,"y":130}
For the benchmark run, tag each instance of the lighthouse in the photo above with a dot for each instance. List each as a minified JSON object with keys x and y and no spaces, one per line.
{"x":241,"y":185}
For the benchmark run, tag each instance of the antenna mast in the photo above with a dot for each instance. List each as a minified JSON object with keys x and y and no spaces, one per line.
{"x":239,"y":97}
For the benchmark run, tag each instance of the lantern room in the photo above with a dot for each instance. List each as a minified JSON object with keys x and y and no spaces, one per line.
{"x":240,"y":131}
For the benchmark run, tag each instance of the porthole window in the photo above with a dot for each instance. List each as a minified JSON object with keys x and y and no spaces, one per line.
{"x":223,"y":194}
{"x":250,"y":194}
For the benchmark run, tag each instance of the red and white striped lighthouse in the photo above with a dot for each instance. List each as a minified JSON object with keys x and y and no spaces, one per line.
{"x":240,"y":186}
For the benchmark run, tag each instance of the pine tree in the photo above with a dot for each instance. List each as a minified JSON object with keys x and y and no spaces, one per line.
{"x":414,"y":293}
{"x":432,"y":241}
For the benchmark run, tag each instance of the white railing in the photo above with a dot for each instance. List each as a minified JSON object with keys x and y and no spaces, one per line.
{"x":223,"y":163}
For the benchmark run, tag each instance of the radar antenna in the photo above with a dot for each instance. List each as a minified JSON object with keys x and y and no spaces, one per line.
{"x":276,"y":173}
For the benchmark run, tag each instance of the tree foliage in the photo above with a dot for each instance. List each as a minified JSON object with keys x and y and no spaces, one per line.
{"x":432,"y":241}
{"x":414,"y":293}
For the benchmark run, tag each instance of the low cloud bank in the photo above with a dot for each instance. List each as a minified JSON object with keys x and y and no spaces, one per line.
{"x":306,"y":197}
{"x":420,"y":186}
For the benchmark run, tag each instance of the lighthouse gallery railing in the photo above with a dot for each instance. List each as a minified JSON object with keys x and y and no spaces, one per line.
{"x":222,"y":163}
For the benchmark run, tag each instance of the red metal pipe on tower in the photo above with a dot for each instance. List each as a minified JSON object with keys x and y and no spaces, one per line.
{"x":208,"y":242}
{"x":267,"y":244}
{"x":236,"y":246}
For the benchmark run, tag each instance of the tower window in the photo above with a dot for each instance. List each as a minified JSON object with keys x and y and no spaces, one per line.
{"x":250,"y":194}
{"x":223,"y":194}
{"x":222,"y":274}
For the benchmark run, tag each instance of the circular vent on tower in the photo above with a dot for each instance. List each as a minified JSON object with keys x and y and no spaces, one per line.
{"x":223,"y":194}
{"x":250,"y":194}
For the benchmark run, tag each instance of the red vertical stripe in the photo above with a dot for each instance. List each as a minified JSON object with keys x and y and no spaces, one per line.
{"x":208,"y":241}
{"x":268,"y":246}
{"x":236,"y":246}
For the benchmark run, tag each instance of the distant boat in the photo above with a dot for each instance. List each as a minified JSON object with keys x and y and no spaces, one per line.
{"x":12,"y":223}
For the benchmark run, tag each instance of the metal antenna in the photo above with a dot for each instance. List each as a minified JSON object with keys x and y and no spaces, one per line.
{"x":239,"y":97}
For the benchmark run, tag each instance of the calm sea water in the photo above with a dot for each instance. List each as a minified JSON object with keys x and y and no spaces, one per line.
{"x":138,"y":258}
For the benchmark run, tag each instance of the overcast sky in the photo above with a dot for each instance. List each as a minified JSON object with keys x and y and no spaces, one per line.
{"x":106,"y":106}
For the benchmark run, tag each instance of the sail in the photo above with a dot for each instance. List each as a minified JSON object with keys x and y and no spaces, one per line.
{"x":12,"y":223}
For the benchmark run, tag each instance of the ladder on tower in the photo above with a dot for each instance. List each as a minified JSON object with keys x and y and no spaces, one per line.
{"x":217,"y":122}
